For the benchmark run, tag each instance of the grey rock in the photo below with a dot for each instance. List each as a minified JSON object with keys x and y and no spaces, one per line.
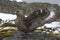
{"x":31,"y":36}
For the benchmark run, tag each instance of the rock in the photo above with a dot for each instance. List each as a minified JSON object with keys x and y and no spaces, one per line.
{"x":31,"y":36}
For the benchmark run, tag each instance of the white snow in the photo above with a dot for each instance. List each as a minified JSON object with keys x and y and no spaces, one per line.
{"x":55,"y":32}
{"x":5,"y":16}
{"x":17,"y":0}
{"x":52,"y":14}
{"x":53,"y":25}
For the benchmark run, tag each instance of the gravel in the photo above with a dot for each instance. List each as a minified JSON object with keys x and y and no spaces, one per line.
{"x":30,"y":36}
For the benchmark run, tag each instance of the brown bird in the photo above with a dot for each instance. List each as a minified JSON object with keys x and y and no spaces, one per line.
{"x":29,"y":23}
{"x":34,"y":20}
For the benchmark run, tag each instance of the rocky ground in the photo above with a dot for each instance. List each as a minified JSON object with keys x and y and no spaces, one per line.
{"x":31,"y":36}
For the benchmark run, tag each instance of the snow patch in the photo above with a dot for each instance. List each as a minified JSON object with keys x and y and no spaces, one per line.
{"x":5,"y":16}
{"x":52,"y":14}
{"x":17,"y":0}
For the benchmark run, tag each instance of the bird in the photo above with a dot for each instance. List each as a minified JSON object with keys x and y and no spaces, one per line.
{"x":34,"y":20}
{"x":31,"y":22}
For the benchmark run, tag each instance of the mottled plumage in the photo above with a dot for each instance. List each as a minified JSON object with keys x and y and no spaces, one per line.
{"x":34,"y":20}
